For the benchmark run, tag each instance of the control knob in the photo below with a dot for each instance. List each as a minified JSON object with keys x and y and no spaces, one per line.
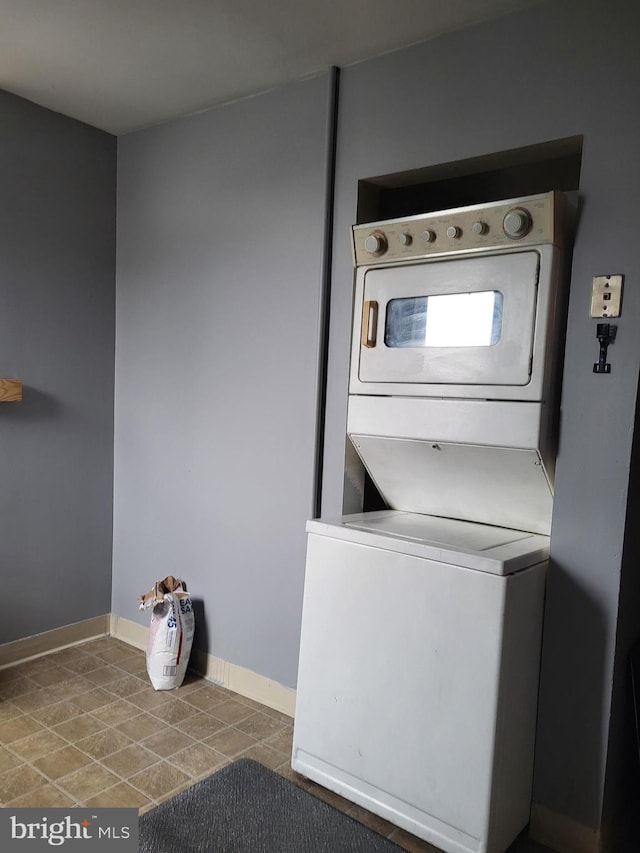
{"x":428,"y":236}
{"x":405,"y":239}
{"x":516,"y":223}
{"x":454,"y":232}
{"x":376,"y":244}
{"x":480,"y":227}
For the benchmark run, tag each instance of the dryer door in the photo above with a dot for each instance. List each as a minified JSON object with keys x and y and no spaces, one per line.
{"x":464,"y":321}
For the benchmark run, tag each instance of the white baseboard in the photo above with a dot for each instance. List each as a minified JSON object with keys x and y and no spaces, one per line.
{"x":237,"y":678}
{"x":52,"y":641}
{"x":128,"y":631}
{"x":562,"y":833}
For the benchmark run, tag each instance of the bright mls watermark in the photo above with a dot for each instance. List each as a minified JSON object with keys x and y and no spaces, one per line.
{"x":75,"y":829}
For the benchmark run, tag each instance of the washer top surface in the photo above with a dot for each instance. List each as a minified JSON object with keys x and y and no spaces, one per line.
{"x":497,"y":550}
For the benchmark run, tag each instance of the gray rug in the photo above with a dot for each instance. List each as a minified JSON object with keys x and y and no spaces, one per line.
{"x":245,"y":808}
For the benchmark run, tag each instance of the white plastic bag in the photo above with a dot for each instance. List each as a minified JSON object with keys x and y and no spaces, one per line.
{"x":170,"y":632}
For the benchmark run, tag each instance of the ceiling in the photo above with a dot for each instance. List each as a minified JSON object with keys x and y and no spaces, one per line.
{"x":121,"y":65}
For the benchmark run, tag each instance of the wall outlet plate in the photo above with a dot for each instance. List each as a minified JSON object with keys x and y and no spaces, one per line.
{"x":606,"y":299}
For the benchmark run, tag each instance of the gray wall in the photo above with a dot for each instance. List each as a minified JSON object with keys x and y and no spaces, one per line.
{"x":220,"y":248}
{"x":553,"y":71}
{"x":57,"y":315}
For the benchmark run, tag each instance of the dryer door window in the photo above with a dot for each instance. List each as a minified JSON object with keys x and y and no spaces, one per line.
{"x":445,"y":320}
{"x":460,"y":321}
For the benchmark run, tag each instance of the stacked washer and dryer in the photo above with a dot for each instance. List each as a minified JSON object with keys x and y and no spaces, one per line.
{"x":421,"y":627}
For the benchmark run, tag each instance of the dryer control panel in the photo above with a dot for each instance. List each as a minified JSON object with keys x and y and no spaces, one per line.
{"x":523,"y":221}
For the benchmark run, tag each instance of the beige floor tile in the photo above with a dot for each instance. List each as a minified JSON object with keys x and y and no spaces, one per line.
{"x":104,"y":675}
{"x":231,"y":712}
{"x":37,"y":698}
{"x":87,"y":781}
{"x":141,"y":726}
{"x":79,"y":728}
{"x":127,"y":685}
{"x":17,"y":728}
{"x":206,"y":697}
{"x":52,"y":715}
{"x":100,"y":643}
{"x":271,"y":758}
{"x":76,"y":686}
{"x":35,"y":746}
{"x":282,"y":741}
{"x":46,"y":797}
{"x":93,"y":699}
{"x":17,"y":687}
{"x":120,"y":796}
{"x":112,"y":653}
{"x":81,"y":664}
{"x":8,"y":711}
{"x":114,"y":642}
{"x":159,"y":780}
{"x":167,"y":742}
{"x":35,"y":665}
{"x":69,"y":654}
{"x":250,"y":703}
{"x":10,"y":673}
{"x":52,"y":675}
{"x":147,"y":700}
{"x":116,"y":712}
{"x":237,"y":697}
{"x":18,"y":781}
{"x":136,"y":665}
{"x":62,"y":762}
{"x":198,"y":760}
{"x":200,"y":726}
{"x":173,"y":711}
{"x":285,"y":719}
{"x":259,"y":725}
{"x":230,"y":741}
{"x":7,"y":760}
{"x":130,"y":760}
{"x":192,"y":681}
{"x":103,"y":743}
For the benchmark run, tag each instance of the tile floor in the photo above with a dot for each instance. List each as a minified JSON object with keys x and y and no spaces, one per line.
{"x":83,"y":726}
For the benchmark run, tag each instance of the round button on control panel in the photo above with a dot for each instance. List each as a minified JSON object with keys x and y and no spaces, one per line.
{"x":454,"y":232}
{"x":405,"y":239}
{"x":376,"y":244}
{"x":428,"y":236}
{"x":516,"y":223}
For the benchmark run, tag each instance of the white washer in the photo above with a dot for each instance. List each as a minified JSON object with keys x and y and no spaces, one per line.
{"x":418,"y":672}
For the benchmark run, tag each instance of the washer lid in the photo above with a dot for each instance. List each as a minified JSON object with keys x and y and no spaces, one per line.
{"x":497,"y":550}
{"x":499,"y":486}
